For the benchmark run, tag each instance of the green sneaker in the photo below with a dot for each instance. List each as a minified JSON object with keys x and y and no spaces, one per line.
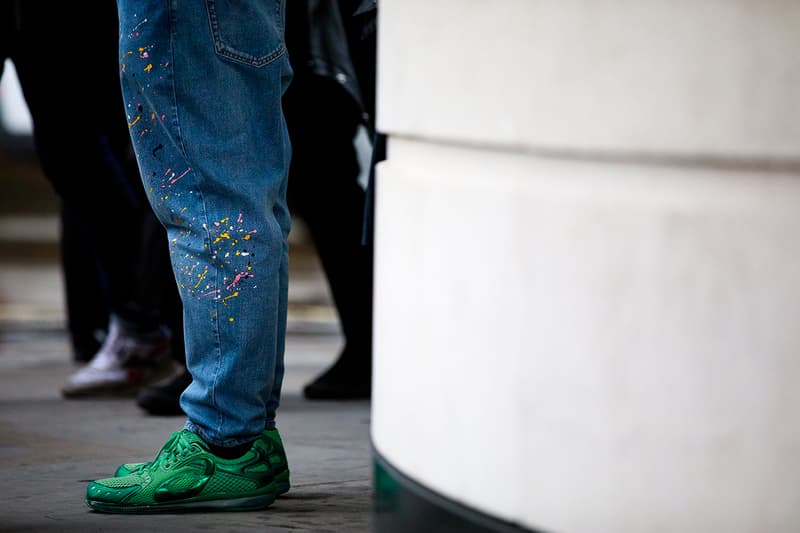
{"x":277,"y":459}
{"x":186,"y":476}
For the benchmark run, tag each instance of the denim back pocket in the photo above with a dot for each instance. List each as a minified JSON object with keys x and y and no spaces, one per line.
{"x":247,"y":31}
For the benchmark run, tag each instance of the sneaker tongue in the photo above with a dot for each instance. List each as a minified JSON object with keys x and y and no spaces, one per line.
{"x":185,"y":439}
{"x":177,"y":444}
{"x":180,"y":439}
{"x":169,"y":442}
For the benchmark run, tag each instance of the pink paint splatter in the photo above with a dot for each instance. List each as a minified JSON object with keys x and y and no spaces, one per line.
{"x":209,"y":293}
{"x":238,"y":278}
{"x":173,"y":180}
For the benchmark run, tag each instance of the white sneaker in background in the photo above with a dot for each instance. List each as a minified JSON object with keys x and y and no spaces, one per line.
{"x":124,"y":364}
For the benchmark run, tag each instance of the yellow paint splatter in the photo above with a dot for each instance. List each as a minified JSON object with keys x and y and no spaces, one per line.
{"x":246,"y":237}
{"x":149,"y":67}
{"x":223,"y":235}
{"x":137,"y":119}
{"x":234,"y":295}
{"x":200,"y":277}
{"x":230,"y":319}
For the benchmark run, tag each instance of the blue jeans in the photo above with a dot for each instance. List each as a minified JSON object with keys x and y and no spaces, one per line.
{"x":202,"y":82}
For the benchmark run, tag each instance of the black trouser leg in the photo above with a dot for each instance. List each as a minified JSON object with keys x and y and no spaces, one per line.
{"x":80,"y":130}
{"x":324,"y":191}
{"x":85,"y":288}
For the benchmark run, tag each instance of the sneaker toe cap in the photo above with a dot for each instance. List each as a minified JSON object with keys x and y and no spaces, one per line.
{"x":110,"y":490}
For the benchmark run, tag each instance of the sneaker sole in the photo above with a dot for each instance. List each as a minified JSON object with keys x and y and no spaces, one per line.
{"x":250,"y":503}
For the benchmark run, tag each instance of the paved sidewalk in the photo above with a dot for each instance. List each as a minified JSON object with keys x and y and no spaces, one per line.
{"x":51,"y":447}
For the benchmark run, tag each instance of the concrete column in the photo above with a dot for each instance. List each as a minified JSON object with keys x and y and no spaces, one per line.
{"x":587,"y":267}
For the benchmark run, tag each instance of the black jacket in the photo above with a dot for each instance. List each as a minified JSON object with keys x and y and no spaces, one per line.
{"x":337,"y":40}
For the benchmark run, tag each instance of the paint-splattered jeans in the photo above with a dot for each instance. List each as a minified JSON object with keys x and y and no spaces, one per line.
{"x":202,"y":83}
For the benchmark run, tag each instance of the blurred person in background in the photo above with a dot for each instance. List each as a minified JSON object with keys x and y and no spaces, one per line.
{"x":332,"y":49}
{"x":82,"y":143}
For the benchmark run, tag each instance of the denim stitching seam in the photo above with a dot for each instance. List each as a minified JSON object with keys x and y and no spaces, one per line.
{"x":236,"y":55}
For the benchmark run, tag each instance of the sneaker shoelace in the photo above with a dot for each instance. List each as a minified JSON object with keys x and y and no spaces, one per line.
{"x":176,"y":453}
{"x":173,"y":450}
